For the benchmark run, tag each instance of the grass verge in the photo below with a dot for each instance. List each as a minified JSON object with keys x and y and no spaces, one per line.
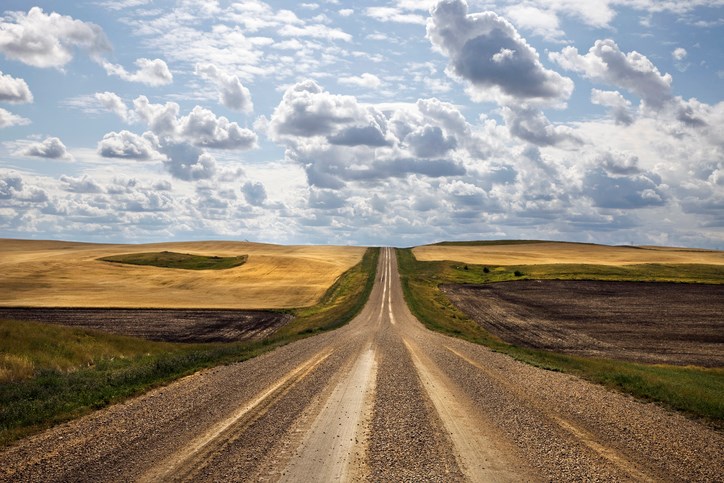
{"x":184,"y":261}
{"x":693,"y":390}
{"x":50,"y":374}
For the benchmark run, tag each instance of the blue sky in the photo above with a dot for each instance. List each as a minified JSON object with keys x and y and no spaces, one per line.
{"x":400,"y":122}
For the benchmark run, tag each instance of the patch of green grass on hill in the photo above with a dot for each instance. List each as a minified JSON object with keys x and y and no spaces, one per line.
{"x":693,"y":390}
{"x":184,"y":261}
{"x":50,"y":373}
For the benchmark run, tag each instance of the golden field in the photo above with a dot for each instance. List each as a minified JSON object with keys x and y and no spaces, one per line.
{"x":542,"y":253}
{"x":68,"y":274}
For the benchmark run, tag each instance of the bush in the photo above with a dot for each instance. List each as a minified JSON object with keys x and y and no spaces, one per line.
{"x":518,"y":273}
{"x":486,"y":270}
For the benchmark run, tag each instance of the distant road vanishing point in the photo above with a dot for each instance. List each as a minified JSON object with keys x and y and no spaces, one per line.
{"x":381,"y":399}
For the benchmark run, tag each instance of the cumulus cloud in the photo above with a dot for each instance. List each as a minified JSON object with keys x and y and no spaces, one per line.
{"x":539,"y":21}
{"x":177,"y":140}
{"x":112,"y":102}
{"x":531,"y":124}
{"x":188,"y":163}
{"x":232,"y":93}
{"x":308,"y":110}
{"x":50,"y":148}
{"x":623,"y":191}
{"x":485,"y":50}
{"x":203,"y":128}
{"x":150,"y":72}
{"x":162,"y":119}
{"x":430,"y":142}
{"x":619,"y":164}
{"x":254,"y":193}
{"x":359,"y":136}
{"x":619,"y":106}
{"x":128,"y":145}
{"x":367,"y":80}
{"x":679,"y":53}
{"x":8,"y":119}
{"x":48,"y":40}
{"x":82,"y":184}
{"x":10,"y":185}
{"x":632,"y":71}
{"x":14,"y":90}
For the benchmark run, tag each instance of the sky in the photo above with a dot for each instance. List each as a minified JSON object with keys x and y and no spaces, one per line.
{"x":394,"y":122}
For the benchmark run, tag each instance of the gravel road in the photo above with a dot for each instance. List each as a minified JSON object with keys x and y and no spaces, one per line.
{"x":381,"y":399}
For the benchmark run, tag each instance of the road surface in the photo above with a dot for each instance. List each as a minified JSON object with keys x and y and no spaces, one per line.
{"x":381,"y":399}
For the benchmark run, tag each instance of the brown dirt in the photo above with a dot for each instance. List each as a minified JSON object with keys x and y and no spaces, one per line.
{"x":644,"y":322}
{"x":189,"y":326}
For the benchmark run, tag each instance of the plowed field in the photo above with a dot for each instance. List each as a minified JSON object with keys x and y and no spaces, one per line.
{"x":645,"y":322}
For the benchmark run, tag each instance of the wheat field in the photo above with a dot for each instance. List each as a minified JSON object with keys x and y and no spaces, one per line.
{"x":68,"y":274}
{"x":539,"y":253}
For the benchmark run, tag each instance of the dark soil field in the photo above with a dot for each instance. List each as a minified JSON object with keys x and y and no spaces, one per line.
{"x":189,"y":326}
{"x":668,"y":323}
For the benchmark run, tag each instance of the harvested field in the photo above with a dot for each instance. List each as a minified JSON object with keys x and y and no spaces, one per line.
{"x":667,"y":323}
{"x":188,"y":326}
{"x":66,"y":274}
{"x":536,"y":253}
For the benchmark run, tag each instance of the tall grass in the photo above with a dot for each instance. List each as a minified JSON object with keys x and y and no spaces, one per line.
{"x":694,"y":390}
{"x":49,"y":374}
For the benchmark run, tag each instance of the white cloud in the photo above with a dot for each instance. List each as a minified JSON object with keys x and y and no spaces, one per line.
{"x":485,"y":50}
{"x":47,"y":40}
{"x":538,"y":21}
{"x":188,"y":163}
{"x":254,"y":193}
{"x":619,"y":106}
{"x":203,"y":128}
{"x":8,"y":119}
{"x":679,"y":53}
{"x":150,"y":72}
{"x":232,"y":93}
{"x":112,"y":102}
{"x":393,"y":14}
{"x":307,"y":110}
{"x":367,"y":80}
{"x":632,"y":71}
{"x":14,"y":90}
{"x":50,"y":148}
{"x":530,"y":124}
{"x":346,"y":12}
{"x":127,"y":145}
{"x":82,"y":184}
{"x":121,"y":4}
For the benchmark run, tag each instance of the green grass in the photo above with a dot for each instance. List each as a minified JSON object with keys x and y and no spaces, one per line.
{"x":184,"y":261}
{"x":696,"y":391}
{"x":50,"y":374}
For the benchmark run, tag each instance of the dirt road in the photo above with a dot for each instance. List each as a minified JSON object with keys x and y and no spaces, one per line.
{"x":381,"y":399}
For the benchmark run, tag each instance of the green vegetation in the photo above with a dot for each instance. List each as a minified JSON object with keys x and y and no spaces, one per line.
{"x":50,"y":374}
{"x":694,"y":390}
{"x":184,"y":261}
